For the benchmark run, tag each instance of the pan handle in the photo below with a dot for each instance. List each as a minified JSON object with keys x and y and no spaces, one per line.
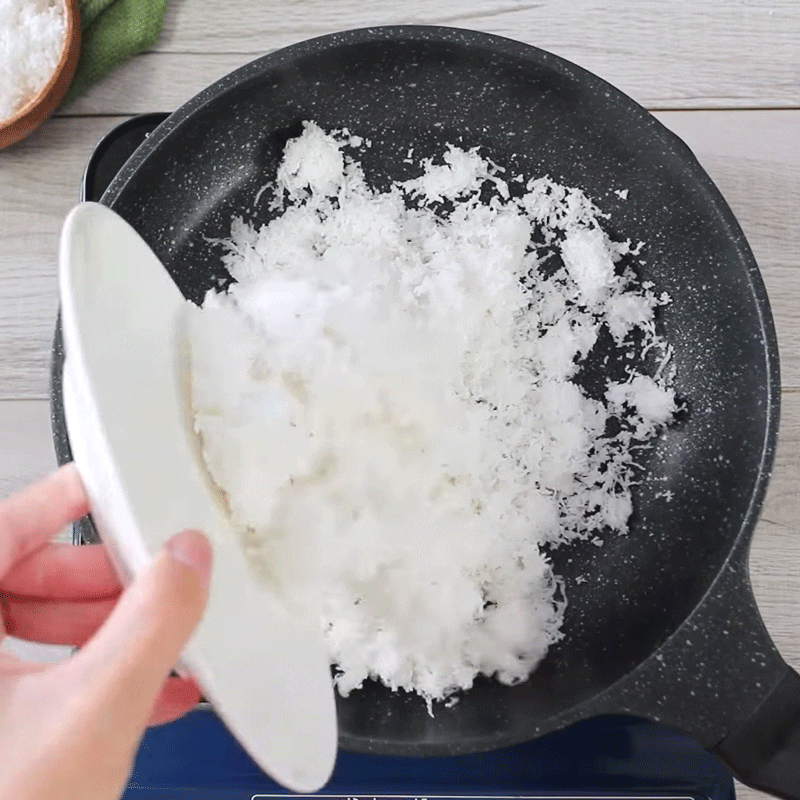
{"x":764,"y":750}
{"x":720,"y":679}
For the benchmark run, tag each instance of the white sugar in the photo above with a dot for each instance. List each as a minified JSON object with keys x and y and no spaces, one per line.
{"x":390,"y":403}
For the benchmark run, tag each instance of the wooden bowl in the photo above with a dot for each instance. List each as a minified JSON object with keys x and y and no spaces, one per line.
{"x":43,"y":104}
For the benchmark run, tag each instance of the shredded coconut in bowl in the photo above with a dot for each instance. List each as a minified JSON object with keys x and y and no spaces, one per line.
{"x":388,"y":396}
{"x":32,"y":34}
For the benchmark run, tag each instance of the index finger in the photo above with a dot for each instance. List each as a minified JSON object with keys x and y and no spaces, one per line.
{"x":35,"y":515}
{"x":59,"y":571}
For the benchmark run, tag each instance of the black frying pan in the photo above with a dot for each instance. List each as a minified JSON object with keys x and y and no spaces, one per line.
{"x":666,"y":628}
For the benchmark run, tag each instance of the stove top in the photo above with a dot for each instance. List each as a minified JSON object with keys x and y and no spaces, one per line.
{"x":605,"y":757}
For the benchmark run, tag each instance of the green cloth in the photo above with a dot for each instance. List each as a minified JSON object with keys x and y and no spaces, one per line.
{"x":111,"y":32}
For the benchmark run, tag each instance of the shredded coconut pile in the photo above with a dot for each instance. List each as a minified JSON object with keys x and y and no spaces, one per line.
{"x":388,"y":398}
{"x":31,"y":40}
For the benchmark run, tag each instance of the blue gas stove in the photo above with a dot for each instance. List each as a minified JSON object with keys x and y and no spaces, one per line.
{"x":605,"y":757}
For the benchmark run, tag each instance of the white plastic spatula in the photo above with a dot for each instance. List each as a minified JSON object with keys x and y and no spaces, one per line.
{"x":260,"y":661}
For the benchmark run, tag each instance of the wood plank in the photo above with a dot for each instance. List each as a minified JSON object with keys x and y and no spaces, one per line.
{"x":775,"y":552}
{"x":40,"y":179}
{"x":26,"y":443}
{"x":155,"y":82}
{"x":27,"y":452}
{"x":746,"y":793}
{"x":26,"y":446}
{"x":754,"y":160}
{"x":703,"y":54}
{"x":750,"y":154}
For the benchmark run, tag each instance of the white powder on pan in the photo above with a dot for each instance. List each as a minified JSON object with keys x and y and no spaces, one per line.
{"x":387,"y":396}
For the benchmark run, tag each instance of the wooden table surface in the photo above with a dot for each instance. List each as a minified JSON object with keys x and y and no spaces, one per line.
{"x":724,"y":75}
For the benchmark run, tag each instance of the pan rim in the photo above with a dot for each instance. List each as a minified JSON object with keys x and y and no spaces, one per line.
{"x":646,"y":122}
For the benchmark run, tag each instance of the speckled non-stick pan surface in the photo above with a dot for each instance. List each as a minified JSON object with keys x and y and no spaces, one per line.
{"x":665,"y":627}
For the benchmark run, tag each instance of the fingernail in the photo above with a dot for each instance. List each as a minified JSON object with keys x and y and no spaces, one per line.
{"x":193,"y":549}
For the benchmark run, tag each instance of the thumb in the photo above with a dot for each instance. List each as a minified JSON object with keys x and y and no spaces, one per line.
{"x":130,"y":657}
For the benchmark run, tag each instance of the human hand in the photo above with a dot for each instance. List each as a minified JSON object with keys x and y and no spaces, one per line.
{"x":71,"y":730}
